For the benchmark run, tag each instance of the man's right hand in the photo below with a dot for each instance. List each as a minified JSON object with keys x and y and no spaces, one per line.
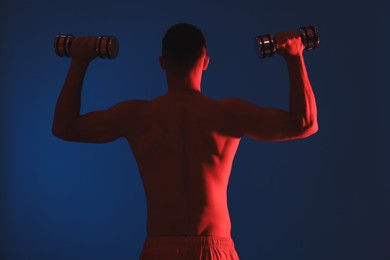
{"x":289,"y":44}
{"x":84,"y":49}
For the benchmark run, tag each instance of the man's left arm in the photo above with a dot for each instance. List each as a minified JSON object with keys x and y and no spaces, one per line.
{"x":97,"y":127}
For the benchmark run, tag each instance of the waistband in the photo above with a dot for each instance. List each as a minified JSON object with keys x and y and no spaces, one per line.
{"x":188,"y":241}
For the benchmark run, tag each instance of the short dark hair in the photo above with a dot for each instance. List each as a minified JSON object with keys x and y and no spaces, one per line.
{"x":182,"y":45}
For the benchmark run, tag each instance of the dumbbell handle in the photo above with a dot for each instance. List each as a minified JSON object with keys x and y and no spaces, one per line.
{"x":106,"y":46}
{"x":266,"y":44}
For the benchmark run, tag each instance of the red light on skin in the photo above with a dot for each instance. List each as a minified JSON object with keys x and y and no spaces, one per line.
{"x":184,"y":142}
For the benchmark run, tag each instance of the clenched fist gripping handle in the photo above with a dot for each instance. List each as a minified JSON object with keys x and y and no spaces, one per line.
{"x":266,"y":45}
{"x":106,"y":46}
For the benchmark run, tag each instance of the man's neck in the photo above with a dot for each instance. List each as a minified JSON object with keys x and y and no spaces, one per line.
{"x":184,"y":84}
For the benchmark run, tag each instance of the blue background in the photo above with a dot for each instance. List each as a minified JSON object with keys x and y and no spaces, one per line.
{"x":325,"y":197}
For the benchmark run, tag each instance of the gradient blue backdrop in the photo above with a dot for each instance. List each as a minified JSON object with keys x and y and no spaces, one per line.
{"x":325,"y":197}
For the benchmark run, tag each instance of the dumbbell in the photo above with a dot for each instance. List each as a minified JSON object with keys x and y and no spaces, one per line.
{"x":266,"y":45}
{"x":106,"y":46}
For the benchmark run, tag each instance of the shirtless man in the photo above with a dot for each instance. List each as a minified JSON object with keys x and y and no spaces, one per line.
{"x":184,"y":142}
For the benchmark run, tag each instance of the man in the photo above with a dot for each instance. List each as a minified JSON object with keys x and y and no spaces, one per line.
{"x":184,"y":142}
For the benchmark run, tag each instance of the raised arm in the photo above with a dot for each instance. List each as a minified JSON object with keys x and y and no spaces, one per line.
{"x":271,"y":124}
{"x":96,"y":127}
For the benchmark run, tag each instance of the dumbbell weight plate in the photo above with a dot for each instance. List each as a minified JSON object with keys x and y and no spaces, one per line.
{"x":265,"y":45}
{"x":107,"y":47}
{"x":309,"y":36}
{"x":62,"y":44}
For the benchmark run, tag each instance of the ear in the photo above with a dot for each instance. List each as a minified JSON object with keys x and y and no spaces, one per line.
{"x":206,"y":62}
{"x":163,"y":65}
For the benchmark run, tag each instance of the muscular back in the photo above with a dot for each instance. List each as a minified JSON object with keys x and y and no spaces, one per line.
{"x":184,"y":144}
{"x":184,"y":147}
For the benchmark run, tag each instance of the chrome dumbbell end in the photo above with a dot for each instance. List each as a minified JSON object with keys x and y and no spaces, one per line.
{"x":309,"y":36}
{"x":266,"y":46}
{"x":106,"y":46}
{"x":62,"y":44}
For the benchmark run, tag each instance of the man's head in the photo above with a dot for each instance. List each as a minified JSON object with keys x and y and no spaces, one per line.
{"x":183,"y":49}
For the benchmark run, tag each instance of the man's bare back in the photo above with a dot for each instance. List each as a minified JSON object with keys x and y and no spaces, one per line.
{"x":184,"y":147}
{"x":184,"y":142}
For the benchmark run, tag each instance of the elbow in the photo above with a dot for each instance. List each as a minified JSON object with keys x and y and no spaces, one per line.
{"x":56,"y":128}
{"x":56,"y":132}
{"x":315,"y":128}
{"x":308,"y":129}
{"x":60,"y":133}
{"x":303,"y":128}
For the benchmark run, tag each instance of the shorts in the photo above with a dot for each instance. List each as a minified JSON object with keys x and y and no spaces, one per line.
{"x":189,"y":248}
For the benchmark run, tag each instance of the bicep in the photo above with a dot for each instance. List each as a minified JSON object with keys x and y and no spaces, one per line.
{"x":265,"y":124}
{"x":102,"y":126}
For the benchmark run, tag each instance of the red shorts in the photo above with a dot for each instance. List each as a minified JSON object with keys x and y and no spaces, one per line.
{"x":189,"y":248}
